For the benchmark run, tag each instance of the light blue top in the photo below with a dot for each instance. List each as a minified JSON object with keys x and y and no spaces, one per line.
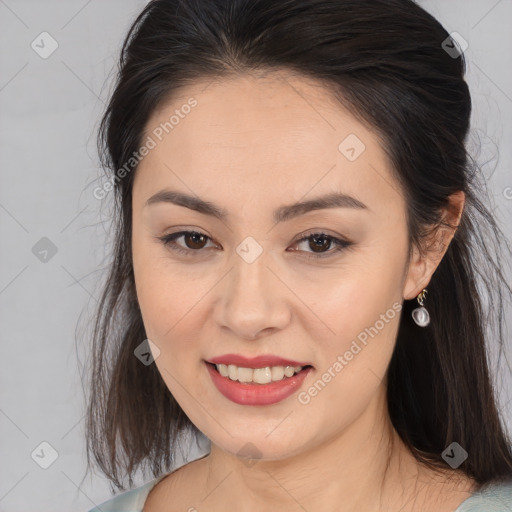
{"x":495,"y":498}
{"x":129,"y":501}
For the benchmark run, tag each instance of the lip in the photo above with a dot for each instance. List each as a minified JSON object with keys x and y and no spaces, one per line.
{"x":255,"y":362}
{"x":243,"y":393}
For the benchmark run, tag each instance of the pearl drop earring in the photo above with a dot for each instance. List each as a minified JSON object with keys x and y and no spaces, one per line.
{"x":420,"y":315}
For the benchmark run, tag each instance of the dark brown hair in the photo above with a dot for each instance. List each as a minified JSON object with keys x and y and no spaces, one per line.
{"x":385,"y":60}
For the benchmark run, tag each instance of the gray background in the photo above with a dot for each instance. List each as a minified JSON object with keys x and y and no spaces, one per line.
{"x":49,"y":112}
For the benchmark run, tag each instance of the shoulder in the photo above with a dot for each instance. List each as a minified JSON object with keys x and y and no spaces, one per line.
{"x":142,"y":498}
{"x":178,"y":487}
{"x":493,"y":497}
{"x":128,"y":501}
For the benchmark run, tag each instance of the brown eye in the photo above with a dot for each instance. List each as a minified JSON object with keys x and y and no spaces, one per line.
{"x":319,"y":242}
{"x":194,"y":240}
{"x":319,"y":245}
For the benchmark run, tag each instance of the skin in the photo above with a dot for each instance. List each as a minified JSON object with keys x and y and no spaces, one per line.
{"x":251,"y":145}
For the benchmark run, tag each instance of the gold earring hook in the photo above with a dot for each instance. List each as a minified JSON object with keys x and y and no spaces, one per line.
{"x":421,"y":296}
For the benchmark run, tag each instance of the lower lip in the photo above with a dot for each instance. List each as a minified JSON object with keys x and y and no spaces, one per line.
{"x":257,"y":394}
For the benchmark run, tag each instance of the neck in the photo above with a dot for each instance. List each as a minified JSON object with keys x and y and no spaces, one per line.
{"x":371,"y":465}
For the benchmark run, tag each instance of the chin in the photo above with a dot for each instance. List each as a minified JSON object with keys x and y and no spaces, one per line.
{"x":252,"y":449}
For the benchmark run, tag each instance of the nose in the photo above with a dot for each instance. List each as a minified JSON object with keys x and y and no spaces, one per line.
{"x":254,"y":301}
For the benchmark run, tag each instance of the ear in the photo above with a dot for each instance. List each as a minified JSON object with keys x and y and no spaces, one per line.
{"x":422,"y":265}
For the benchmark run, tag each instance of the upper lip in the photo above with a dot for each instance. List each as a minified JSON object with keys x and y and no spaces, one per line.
{"x":255,"y":362}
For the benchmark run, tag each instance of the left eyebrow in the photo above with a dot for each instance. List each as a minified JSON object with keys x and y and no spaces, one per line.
{"x":281,"y":214}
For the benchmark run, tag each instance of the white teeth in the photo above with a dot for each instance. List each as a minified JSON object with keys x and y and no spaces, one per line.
{"x":257,"y":375}
{"x":223,"y":370}
{"x":289,"y":371}
{"x":261,"y":375}
{"x":232,"y":372}
{"x":277,"y":372}
{"x":245,"y":374}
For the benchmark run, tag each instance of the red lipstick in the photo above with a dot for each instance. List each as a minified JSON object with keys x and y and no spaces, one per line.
{"x":250,"y":393}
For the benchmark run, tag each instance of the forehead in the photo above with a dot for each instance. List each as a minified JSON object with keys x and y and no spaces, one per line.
{"x":258,"y":134}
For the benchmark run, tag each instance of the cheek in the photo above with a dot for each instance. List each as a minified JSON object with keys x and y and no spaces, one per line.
{"x":165,"y":293}
{"x":165,"y":301}
{"x":359,"y":310}
{"x":171,"y":323}
{"x":346,"y":300}
{"x":153,"y":300}
{"x":174,"y":310}
{"x":354,"y":360}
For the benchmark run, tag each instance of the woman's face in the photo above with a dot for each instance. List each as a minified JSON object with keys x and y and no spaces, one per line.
{"x":255,"y":282}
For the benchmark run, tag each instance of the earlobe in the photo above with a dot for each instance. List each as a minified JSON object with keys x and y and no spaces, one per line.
{"x":417,"y":278}
{"x":424,"y":263}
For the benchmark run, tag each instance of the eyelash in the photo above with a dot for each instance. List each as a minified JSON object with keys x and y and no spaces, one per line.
{"x":169,"y":241}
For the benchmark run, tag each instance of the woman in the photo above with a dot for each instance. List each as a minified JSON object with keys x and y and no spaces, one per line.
{"x":298,"y":265}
